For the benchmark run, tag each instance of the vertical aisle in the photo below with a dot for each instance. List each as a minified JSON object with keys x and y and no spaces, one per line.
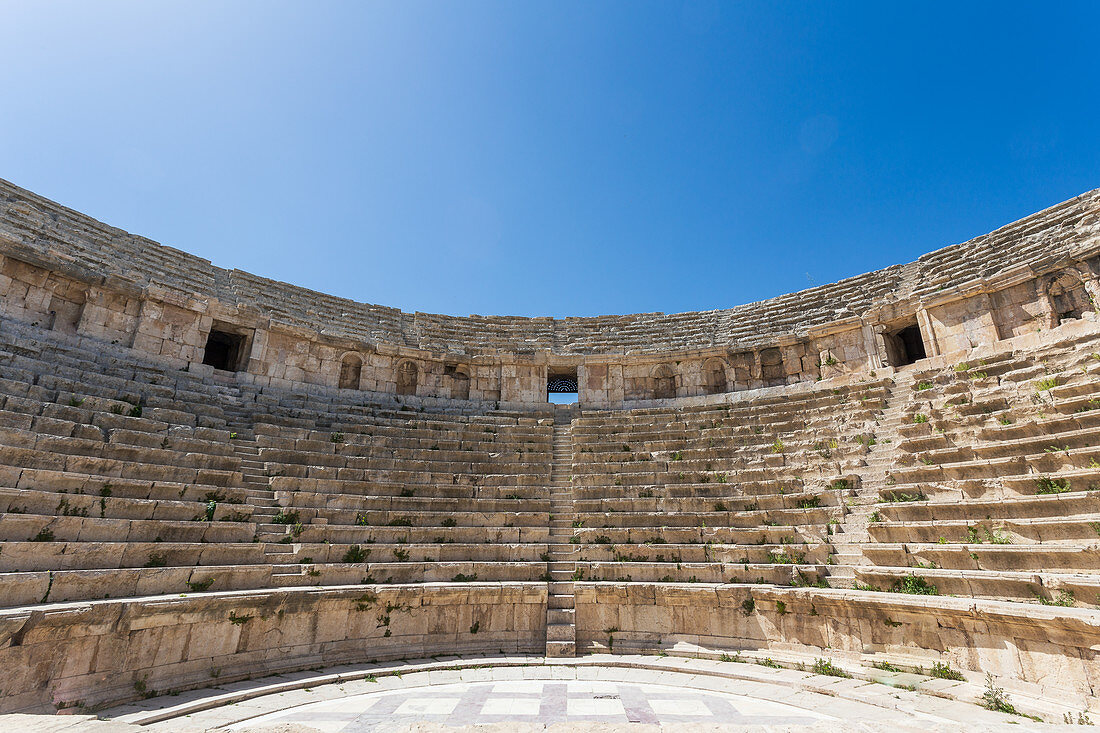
{"x":850,"y":537}
{"x":561,"y":629}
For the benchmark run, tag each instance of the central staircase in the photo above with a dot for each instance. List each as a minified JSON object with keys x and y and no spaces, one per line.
{"x":561,"y":614}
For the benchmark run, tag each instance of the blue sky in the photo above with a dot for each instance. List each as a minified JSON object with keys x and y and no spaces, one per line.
{"x":557,"y":158}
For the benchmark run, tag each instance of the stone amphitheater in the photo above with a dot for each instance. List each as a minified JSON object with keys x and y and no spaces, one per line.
{"x":232,"y":503}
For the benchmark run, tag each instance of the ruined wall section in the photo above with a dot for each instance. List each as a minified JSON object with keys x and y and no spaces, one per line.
{"x":65,"y":271}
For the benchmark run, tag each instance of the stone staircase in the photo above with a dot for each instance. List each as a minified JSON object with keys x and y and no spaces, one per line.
{"x":238,"y":419}
{"x":561,"y":628}
{"x":849,"y":537}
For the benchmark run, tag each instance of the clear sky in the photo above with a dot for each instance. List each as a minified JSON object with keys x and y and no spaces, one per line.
{"x":552,"y":158}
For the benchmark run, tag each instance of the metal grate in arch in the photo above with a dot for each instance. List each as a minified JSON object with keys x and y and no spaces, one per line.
{"x":561,"y":385}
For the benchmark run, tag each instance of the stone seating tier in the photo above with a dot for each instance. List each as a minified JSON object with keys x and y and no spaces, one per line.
{"x":993,"y":489}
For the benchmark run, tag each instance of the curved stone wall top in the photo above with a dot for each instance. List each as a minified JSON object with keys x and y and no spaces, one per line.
{"x":41,"y":231}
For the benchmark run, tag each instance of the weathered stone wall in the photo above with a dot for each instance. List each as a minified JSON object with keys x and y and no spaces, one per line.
{"x":65,"y":271}
{"x":104,"y":652}
{"x":1055,"y":649}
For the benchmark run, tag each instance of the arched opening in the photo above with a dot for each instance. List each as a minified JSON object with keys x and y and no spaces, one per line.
{"x":351,"y":369}
{"x":664,"y":382}
{"x":714,"y":376}
{"x":406,"y":378}
{"x":1068,"y":298}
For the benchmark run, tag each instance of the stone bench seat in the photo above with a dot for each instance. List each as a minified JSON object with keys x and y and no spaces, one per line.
{"x":117,"y":487}
{"x":706,"y":504}
{"x":444,"y":444}
{"x":1069,"y":426}
{"x":651,"y":572}
{"x":348,"y":489}
{"x":408,"y":477}
{"x":1053,"y":462}
{"x":732,"y":422}
{"x":781,"y":517}
{"x":1061,"y":505}
{"x":404,"y":429}
{"x":713,"y":490}
{"x":115,"y":467}
{"x":1019,"y":587}
{"x":654,"y":480}
{"x":334,"y":505}
{"x":28,"y":526}
{"x":19,"y":382}
{"x":503,"y":464}
{"x":97,"y":447}
{"x":107,"y":381}
{"x":1046,"y":530}
{"x":102,"y":555}
{"x":174,"y":441}
{"x":1000,"y":487}
{"x":678,"y":438}
{"x":414,"y":552}
{"x":152,"y":420}
{"x":30,"y":587}
{"x":779,"y":554}
{"x":50,"y":503}
{"x":424,"y":518}
{"x":791,"y":421}
{"x":696,"y":458}
{"x":970,"y":556}
{"x":108,"y":411}
{"x":660,"y":536}
{"x":369,"y":573}
{"x":1039,"y":441}
{"x":751,"y":410}
{"x":1077,"y":392}
{"x":357,"y":534}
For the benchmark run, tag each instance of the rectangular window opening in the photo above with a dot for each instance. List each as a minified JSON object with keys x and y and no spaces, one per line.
{"x":223,"y":350}
{"x":904,"y":345}
{"x":561,"y":386}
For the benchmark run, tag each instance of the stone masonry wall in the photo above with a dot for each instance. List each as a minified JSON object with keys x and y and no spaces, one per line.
{"x":106,"y":652}
{"x":1055,"y":649}
{"x":65,"y":271}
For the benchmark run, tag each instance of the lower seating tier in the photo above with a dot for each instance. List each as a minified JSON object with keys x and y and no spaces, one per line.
{"x":100,"y":653}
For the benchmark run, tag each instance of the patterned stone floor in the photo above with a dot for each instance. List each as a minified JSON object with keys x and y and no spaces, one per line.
{"x":535,"y":701}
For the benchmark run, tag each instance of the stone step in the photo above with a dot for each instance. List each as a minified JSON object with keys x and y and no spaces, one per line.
{"x":561,"y":616}
{"x":558,"y":602}
{"x":561,"y":632}
{"x":274,"y":548}
{"x":561,"y":649}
